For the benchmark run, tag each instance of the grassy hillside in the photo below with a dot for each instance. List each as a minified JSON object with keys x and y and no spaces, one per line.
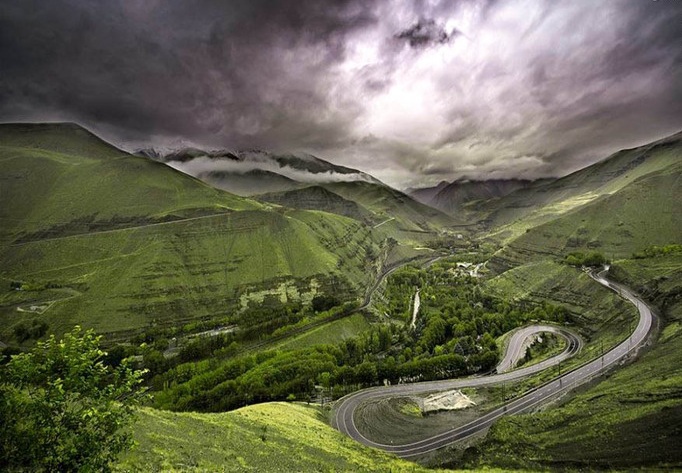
{"x":630,"y":420}
{"x":256,"y":181}
{"x":60,"y":179}
{"x":170,"y":274}
{"x":266,"y":437}
{"x":641,"y":213}
{"x":452,"y":197}
{"x":93,"y":235}
{"x":597,"y":312}
{"x":330,"y":333}
{"x":396,"y":215}
{"x":542,"y":202}
{"x":319,"y":198}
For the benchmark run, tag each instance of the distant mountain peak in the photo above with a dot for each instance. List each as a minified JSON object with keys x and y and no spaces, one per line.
{"x":255,"y":171}
{"x":451,"y":196}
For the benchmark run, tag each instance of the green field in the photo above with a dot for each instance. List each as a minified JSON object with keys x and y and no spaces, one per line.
{"x":172,"y":273}
{"x":509,"y":217}
{"x":331,"y":333}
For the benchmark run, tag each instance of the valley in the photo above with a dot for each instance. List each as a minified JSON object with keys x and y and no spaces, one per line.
{"x":291,"y":312}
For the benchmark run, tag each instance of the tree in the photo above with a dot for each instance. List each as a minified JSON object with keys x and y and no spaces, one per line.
{"x":63,"y":409}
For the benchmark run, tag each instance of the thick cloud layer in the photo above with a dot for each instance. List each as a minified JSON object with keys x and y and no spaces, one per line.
{"x":413,"y":92}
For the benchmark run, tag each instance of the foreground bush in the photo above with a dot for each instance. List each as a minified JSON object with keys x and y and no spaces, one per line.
{"x":63,"y":409}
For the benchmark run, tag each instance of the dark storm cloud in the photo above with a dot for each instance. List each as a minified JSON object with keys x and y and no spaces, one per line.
{"x":424,"y":33}
{"x":216,"y":71}
{"x":415,"y":91}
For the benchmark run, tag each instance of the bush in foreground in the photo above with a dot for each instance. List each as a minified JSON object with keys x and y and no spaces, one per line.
{"x":63,"y":409}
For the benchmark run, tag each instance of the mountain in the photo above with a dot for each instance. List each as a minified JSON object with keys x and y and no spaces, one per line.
{"x":619,"y":207}
{"x":142,"y":252}
{"x":426,"y":194}
{"x":544,"y":201}
{"x":254,"y":172}
{"x":319,"y":198}
{"x":268,"y":437}
{"x":245,"y":183}
{"x":393,"y":207}
{"x":303,"y":181}
{"x":451,"y":197}
{"x":122,"y":243}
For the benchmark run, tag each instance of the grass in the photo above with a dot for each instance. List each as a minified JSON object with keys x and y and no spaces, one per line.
{"x":330,"y":333}
{"x":409,"y":407}
{"x":641,"y":214}
{"x":266,"y":437}
{"x":57,"y":189}
{"x":599,"y":315}
{"x":552,"y":345}
{"x":411,"y":220}
{"x":629,"y":420}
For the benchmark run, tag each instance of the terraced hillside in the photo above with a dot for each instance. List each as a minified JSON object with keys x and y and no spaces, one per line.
{"x":117,"y":242}
{"x":401,"y":213}
{"x":451,"y":197}
{"x":319,"y":198}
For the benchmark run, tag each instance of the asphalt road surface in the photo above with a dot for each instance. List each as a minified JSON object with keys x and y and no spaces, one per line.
{"x":342,"y":416}
{"x":516,"y":348}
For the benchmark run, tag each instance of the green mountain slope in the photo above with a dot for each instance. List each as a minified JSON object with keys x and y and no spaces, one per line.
{"x":511,"y":215}
{"x":644,"y":212}
{"x":618,"y":207}
{"x":451,"y":197}
{"x":256,"y":181}
{"x":634,"y":206}
{"x":403,"y":215}
{"x":119,"y":243}
{"x":319,"y":198}
{"x":59,"y":179}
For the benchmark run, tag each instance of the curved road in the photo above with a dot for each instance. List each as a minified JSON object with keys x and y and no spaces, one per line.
{"x":516,"y":346}
{"x":345,"y":407}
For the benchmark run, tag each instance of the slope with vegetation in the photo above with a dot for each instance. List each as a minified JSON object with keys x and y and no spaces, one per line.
{"x":149,"y":255}
{"x":266,"y":437}
{"x":140,"y":247}
{"x":632,"y":203}
{"x":451,"y":197}
{"x":629,"y":420}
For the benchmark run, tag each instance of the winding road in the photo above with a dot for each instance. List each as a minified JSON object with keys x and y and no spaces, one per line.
{"x":516,"y":348}
{"x":342,"y":415}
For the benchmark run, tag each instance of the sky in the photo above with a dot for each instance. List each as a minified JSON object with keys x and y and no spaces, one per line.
{"x":412,"y":92}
